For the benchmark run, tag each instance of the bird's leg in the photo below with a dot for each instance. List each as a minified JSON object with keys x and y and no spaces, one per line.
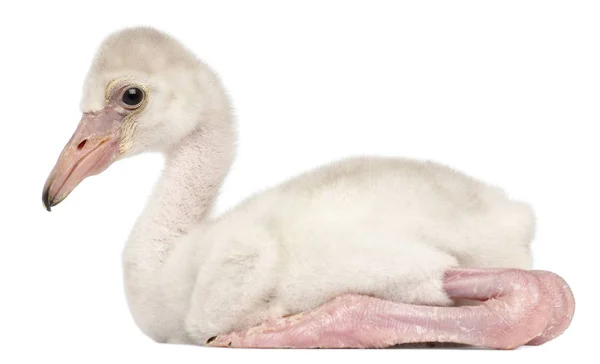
{"x":562,"y":307}
{"x":518,"y":307}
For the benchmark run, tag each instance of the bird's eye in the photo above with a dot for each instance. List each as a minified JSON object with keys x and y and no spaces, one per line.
{"x":133,"y":97}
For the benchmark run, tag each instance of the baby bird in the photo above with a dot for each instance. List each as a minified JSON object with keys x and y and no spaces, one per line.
{"x":364,"y":252}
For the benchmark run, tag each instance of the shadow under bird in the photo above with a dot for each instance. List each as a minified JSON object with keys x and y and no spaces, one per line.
{"x":361,"y":253}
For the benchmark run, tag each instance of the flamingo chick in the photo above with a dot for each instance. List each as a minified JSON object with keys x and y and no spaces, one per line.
{"x":364,"y":252}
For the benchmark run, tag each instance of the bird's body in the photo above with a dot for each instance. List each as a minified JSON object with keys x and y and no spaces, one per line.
{"x":392,"y":229}
{"x":384,"y":227}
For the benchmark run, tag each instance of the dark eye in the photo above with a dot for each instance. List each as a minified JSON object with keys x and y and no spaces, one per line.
{"x":133,"y":96}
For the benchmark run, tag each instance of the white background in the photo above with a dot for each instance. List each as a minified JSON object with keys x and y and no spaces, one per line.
{"x":507,"y":91}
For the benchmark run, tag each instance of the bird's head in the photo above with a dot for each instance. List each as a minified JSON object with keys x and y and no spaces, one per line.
{"x":144,"y":92}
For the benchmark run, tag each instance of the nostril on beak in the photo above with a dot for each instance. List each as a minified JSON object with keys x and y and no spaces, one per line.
{"x":82,"y":144}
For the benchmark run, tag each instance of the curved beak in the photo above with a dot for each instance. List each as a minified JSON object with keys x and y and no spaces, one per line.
{"x":92,"y":148}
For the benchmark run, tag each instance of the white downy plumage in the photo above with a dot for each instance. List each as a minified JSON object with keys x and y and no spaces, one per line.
{"x":378,"y":226}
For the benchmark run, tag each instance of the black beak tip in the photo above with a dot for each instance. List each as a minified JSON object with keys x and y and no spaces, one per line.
{"x":46,"y":199}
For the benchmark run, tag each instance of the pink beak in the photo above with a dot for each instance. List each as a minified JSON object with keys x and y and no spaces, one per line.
{"x":91,"y":149}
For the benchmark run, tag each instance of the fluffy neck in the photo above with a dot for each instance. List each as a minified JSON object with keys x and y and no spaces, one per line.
{"x":182,"y":198}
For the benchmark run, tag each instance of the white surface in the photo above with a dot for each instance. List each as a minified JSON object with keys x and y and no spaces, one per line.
{"x":507,"y":93}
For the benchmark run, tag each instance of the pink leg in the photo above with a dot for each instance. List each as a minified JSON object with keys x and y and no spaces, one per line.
{"x":562,"y":306}
{"x":557,"y":294}
{"x":517,"y":310}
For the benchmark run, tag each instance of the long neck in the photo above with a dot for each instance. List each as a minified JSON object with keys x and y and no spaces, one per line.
{"x":183,"y":197}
